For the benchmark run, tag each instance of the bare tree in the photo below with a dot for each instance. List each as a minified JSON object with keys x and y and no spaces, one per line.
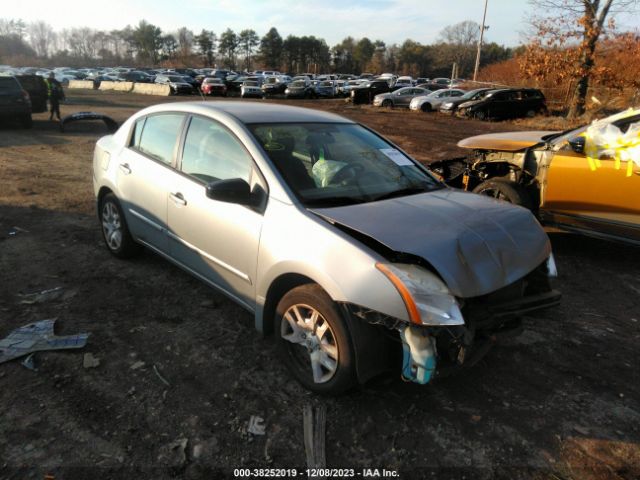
{"x":41,"y":37}
{"x":582,"y":22}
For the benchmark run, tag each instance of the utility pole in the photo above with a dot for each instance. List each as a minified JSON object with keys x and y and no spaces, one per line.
{"x":482,"y":29}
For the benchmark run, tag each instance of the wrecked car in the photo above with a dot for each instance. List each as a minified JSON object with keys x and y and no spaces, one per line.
{"x":585,"y":180}
{"x":342,"y":246}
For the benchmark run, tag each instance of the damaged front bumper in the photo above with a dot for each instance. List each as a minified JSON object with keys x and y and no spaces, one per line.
{"x":434,"y":351}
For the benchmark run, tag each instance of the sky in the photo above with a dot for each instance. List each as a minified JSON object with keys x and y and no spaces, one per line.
{"x":391,"y":21}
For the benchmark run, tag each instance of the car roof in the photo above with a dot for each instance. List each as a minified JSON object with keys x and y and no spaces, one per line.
{"x":253,"y":112}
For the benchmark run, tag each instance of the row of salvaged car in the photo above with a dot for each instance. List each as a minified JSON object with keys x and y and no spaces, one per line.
{"x":353,"y":255}
{"x":480,"y":103}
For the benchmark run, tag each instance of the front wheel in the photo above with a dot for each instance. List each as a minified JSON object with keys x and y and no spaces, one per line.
{"x":505,"y":190}
{"x":481,"y":115}
{"x":425,"y":107}
{"x":387,"y":104}
{"x":314,"y":342}
{"x":115,"y":231}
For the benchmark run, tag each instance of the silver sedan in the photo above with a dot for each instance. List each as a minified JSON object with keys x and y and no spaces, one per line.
{"x":399,"y":98}
{"x":332,"y":237}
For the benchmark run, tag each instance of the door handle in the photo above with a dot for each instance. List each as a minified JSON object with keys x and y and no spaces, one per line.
{"x":125,"y":168}
{"x":178,"y":199}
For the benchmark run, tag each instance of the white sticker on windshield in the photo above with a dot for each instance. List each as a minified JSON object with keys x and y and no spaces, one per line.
{"x":397,"y":156}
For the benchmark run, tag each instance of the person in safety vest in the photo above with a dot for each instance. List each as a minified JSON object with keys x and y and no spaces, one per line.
{"x":54,"y":94}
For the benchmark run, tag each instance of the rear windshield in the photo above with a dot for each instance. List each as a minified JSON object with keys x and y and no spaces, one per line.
{"x":9,"y":84}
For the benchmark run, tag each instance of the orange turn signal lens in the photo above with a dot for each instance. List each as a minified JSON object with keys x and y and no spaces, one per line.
{"x":412,"y":309}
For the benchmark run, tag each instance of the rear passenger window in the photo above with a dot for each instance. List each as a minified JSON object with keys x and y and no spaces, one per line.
{"x":157,"y":136}
{"x":213,"y":153}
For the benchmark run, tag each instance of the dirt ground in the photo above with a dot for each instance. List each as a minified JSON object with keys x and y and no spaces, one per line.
{"x":562,"y":401}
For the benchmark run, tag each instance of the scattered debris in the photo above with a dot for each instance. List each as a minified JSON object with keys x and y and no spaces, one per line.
{"x":137,"y":365}
{"x":162,"y":379}
{"x":30,"y":363}
{"x":581,"y":430}
{"x":314,"y":435}
{"x":89,"y":361}
{"x":42,"y":296}
{"x":256,"y":425}
{"x":36,"y":337}
{"x":174,"y":455}
{"x":15,"y":230}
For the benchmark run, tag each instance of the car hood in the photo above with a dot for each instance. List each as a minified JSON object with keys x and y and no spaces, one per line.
{"x":477,"y":245}
{"x":470,"y":103}
{"x":505,"y":141}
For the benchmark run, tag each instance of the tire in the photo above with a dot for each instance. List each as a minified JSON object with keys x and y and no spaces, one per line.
{"x":297,"y":340}
{"x":530,"y":113}
{"x":505,"y":190}
{"x":426,"y":107}
{"x":387,"y":103}
{"x":115,"y":231}
{"x":27,"y":121}
{"x":481,"y":115}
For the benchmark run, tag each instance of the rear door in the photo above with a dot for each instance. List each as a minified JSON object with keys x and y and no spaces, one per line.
{"x":217,"y":241}
{"x":145,"y":174}
{"x":605,"y":200}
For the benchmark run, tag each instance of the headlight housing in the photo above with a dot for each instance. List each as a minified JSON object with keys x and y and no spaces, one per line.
{"x":447,"y":105}
{"x":427,"y":298}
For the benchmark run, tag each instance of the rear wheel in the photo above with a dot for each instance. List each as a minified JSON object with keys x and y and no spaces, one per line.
{"x":313,"y":340}
{"x":505,"y":190}
{"x":26,"y":121}
{"x":115,"y":231}
{"x":530,"y":113}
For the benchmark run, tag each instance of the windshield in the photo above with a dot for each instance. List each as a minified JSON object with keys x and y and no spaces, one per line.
{"x":331,"y":164}
{"x":176,"y":79}
{"x":473,"y":93}
{"x":298,"y":83}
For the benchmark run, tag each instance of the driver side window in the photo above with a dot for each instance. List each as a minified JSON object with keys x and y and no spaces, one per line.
{"x":213,"y":153}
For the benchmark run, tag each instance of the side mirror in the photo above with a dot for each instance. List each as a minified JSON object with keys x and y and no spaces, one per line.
{"x":577,"y":144}
{"x":232,"y":190}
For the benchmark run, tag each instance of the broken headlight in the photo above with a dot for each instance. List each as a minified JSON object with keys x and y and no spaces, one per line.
{"x":427,"y":298}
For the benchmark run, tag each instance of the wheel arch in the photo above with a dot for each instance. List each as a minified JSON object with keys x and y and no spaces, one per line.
{"x":103,"y":192}
{"x":277,"y":289}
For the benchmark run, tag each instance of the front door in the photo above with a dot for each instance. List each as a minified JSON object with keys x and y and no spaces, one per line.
{"x":216,"y":240}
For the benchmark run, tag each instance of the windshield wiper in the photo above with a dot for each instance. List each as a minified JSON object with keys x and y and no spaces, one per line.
{"x":403,"y":192}
{"x":332,"y":201}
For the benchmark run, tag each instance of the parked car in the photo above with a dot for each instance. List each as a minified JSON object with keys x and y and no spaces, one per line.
{"x":136,"y":76}
{"x":269,"y":203}
{"x":251,"y":87}
{"x":346,"y":87}
{"x":36,"y":87}
{"x":176,"y":83}
{"x":439,"y":83}
{"x":213,"y":86}
{"x":325,"y":89}
{"x":506,"y":103}
{"x":300,"y":89}
{"x":15,"y":103}
{"x":549,"y":173}
{"x":365,"y":92}
{"x":404,"y":81}
{"x":451,"y":106}
{"x":433,"y":100}
{"x":399,"y":98}
{"x":274,"y":85}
